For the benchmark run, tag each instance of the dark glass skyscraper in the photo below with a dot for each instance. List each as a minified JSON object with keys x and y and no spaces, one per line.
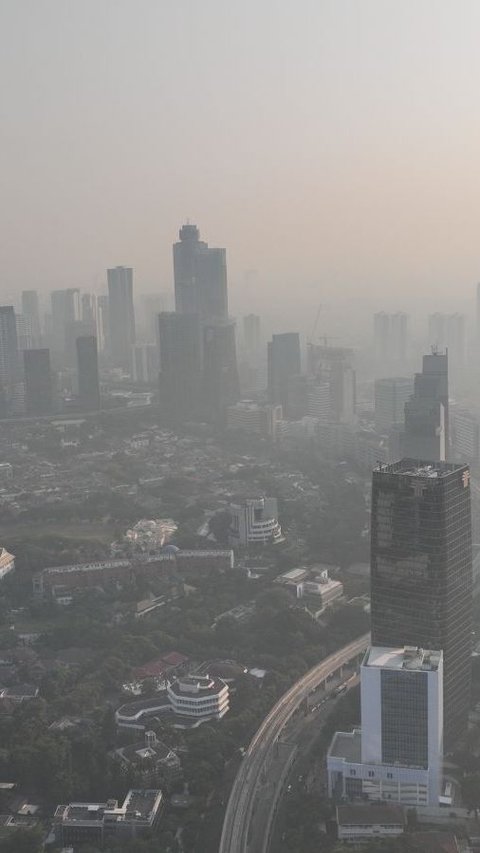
{"x":421,"y":570}
{"x":180,"y":365}
{"x":284,"y":362}
{"x":200,"y":275}
{"x":88,"y":384}
{"x":220,"y":375}
{"x":426,"y":412}
{"x":38,"y":382}
{"x":9,"y":363}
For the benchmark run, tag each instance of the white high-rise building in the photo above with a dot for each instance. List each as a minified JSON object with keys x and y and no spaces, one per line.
{"x":255,"y":521}
{"x":397,"y":753}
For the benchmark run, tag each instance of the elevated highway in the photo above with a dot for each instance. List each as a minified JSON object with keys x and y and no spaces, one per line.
{"x":253,"y":774}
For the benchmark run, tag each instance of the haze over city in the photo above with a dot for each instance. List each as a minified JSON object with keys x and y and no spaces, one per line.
{"x":331,"y":146}
{"x":239,"y":426}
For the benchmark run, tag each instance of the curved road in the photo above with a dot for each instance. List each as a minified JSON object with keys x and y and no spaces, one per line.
{"x":240,"y":805}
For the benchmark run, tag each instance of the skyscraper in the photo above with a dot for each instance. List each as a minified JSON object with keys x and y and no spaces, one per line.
{"x":284,"y":362}
{"x":421,"y":570}
{"x":390,"y":337}
{"x":38,"y":382}
{"x":391,"y":394}
{"x":397,"y":754}
{"x":335,"y":366}
{"x":220,"y":376}
{"x":426,"y":433}
{"x":30,"y":309}
{"x":88,"y":383}
{"x":181,"y":365}
{"x":9,"y":363}
{"x":200,"y":275}
{"x":448,"y":331}
{"x":121,"y":316}
{"x":65,"y":310}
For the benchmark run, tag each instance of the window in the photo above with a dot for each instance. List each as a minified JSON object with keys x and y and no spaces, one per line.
{"x":371,"y":774}
{"x":389,"y":775}
{"x":353,"y":772}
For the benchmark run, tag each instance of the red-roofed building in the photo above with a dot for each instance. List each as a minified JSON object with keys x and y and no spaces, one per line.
{"x":175,"y":659}
{"x":152,"y":669}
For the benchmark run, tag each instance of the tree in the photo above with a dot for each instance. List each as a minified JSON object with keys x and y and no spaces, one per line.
{"x":471,"y":792}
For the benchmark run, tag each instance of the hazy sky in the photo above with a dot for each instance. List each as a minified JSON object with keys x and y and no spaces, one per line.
{"x":333,"y":147}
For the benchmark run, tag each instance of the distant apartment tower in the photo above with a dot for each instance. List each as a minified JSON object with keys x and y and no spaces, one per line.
{"x":335,"y":366}
{"x":390,"y":334}
{"x":221,"y":385}
{"x":448,"y":331}
{"x":397,"y":754}
{"x":284,"y":362}
{"x":181,"y":365}
{"x":251,"y":336}
{"x":421,"y":570}
{"x":38,"y":382}
{"x":391,"y":394}
{"x":200,"y":275}
{"x":9,"y":363}
{"x":121,"y":316}
{"x":465,"y":436}
{"x":145,"y":363}
{"x":30,"y":309}
{"x":426,"y":433}
{"x":65,"y":311}
{"x":88,"y":382}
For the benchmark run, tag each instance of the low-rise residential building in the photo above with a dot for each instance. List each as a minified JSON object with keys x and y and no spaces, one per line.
{"x":151,"y":759}
{"x":313,"y":586}
{"x":255,"y":522}
{"x":360,"y":823}
{"x":83,"y":823}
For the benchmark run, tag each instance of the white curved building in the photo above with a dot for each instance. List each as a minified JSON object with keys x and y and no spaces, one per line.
{"x":255,"y":521}
{"x":199,"y":696}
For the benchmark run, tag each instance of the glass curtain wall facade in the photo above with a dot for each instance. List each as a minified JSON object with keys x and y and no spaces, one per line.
{"x":421,"y":570}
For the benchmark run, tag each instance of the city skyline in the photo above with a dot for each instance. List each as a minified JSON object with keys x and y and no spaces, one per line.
{"x":355,"y":124}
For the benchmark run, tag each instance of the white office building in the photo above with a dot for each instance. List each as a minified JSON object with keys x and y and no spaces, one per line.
{"x":199,"y":696}
{"x":397,"y":753}
{"x":255,"y":522}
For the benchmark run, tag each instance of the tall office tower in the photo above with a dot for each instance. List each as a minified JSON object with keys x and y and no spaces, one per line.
{"x":30,"y":309}
{"x":38,"y":382}
{"x":397,"y":754}
{"x":200,"y":275}
{"x":465,"y":436}
{"x":335,"y":366}
{"x":284,"y":362}
{"x":447,"y":331}
{"x":102,"y":323}
{"x":145,"y":363}
{"x":426,"y":433}
{"x":390,"y":333}
{"x":251,"y":337}
{"x":181,"y":366}
{"x":65,"y":310}
{"x":151,"y":305}
{"x":421,"y":570}
{"x":25,"y":336}
{"x":390,"y":397}
{"x":221,"y":387}
{"x":121,"y":316}
{"x":9,"y":362}
{"x":89,"y":311}
{"x":88,"y":382}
